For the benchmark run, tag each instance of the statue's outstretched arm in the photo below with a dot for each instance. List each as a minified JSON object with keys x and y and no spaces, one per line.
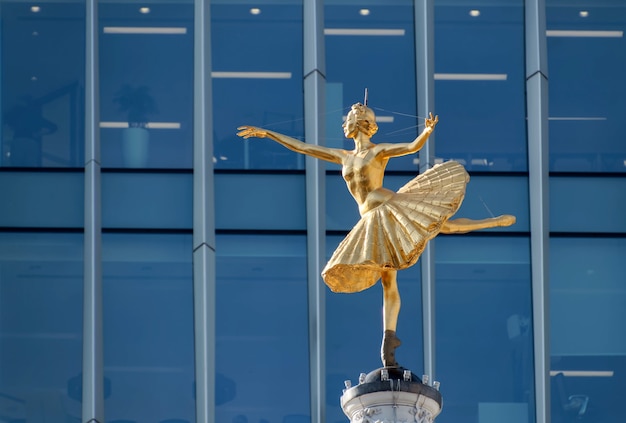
{"x":402,"y":149}
{"x":334,"y":155}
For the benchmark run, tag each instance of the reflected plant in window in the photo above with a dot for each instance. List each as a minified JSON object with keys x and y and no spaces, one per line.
{"x":138,"y":104}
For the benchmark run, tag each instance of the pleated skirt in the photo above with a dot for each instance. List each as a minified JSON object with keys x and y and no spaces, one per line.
{"x":393,"y":235}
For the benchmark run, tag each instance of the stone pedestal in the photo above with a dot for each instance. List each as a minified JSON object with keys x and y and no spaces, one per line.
{"x":390,"y":395}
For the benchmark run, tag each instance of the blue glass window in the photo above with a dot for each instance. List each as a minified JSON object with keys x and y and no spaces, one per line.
{"x":148,"y":327}
{"x":587,"y":337}
{"x":42,"y":199}
{"x":592,"y":204}
{"x":41,"y":288}
{"x":372,"y":47}
{"x":587,"y":88}
{"x":146,"y":84}
{"x":252,"y":201}
{"x":43,"y":78}
{"x":257,"y":80}
{"x":480,"y":85}
{"x":262,"y":353}
{"x":484,"y":329}
{"x":147,"y":200}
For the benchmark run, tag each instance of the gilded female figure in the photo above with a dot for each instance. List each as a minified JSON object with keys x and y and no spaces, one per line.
{"x":394,"y":226}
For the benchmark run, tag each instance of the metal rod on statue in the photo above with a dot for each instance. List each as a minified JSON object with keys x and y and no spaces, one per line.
{"x":365,"y":100}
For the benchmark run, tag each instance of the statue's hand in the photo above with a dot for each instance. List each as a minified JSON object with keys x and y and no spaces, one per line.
{"x":431,"y":121}
{"x":251,"y":131}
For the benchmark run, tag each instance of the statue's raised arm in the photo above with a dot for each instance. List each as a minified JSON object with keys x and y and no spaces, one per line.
{"x":402,"y":149}
{"x":333,"y":155}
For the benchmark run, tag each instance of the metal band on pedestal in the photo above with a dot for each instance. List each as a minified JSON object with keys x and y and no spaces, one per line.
{"x":391,"y":395}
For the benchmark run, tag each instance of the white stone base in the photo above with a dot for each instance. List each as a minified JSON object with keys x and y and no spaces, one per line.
{"x":391,"y":399}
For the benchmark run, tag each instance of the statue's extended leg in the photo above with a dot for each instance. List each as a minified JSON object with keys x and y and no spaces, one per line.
{"x":391,"y":309}
{"x":463,"y":225}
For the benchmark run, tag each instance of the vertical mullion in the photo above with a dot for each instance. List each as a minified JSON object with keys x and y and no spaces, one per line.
{"x":92,"y":392}
{"x":424,"y":59}
{"x":203,"y":219}
{"x":538,"y":179}
{"x":314,"y":97}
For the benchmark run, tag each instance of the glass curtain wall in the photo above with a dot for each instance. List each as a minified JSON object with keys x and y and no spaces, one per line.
{"x":257,"y":80}
{"x":42,"y":96}
{"x":483,"y":286}
{"x":262,"y":341}
{"x":587,"y":198}
{"x":146,"y":102}
{"x":41,"y":275}
{"x":145,"y":58}
{"x":483,"y":298}
{"x":42,"y":56}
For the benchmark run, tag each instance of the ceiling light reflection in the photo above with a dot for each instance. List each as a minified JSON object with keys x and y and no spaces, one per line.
{"x":576,"y":118}
{"x":255,"y":11}
{"x":474,"y":12}
{"x":583,"y":373}
{"x":144,"y":10}
{"x":471,"y":76}
{"x":583,"y":13}
{"x":149,"y":125}
{"x":584,"y":33}
{"x":252,"y":75}
{"x":364,"y":12}
{"x":364,"y":31}
{"x":143,"y":30}
{"x":35,"y":9}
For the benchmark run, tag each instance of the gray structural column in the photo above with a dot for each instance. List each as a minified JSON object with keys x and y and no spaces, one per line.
{"x":203,"y":218}
{"x":538,"y":179}
{"x":425,"y":64}
{"x":93,"y":391}
{"x":314,"y":112}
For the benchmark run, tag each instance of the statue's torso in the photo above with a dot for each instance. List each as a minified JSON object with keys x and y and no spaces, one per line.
{"x":363,"y":173}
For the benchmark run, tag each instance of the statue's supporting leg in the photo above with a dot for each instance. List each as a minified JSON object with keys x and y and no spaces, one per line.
{"x":391,"y":309}
{"x":463,"y":225}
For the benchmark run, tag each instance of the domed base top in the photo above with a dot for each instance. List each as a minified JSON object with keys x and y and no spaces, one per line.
{"x":390,"y":395}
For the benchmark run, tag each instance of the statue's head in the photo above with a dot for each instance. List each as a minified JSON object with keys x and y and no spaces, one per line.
{"x":360,"y":119}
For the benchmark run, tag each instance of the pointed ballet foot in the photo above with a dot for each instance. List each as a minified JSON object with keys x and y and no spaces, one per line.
{"x":388,"y":349}
{"x":505,"y":220}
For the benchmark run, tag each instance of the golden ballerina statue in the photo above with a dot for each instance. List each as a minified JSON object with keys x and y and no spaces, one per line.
{"x":394,"y":226}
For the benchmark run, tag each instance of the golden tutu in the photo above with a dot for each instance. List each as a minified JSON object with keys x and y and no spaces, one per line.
{"x":393,"y":235}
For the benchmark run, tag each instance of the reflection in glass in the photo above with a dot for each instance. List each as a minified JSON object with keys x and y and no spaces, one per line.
{"x":262,"y":353}
{"x":42,"y":67}
{"x":146,"y":84}
{"x":374,"y":50}
{"x":587,"y":65}
{"x":148,"y":327}
{"x":480,"y":85}
{"x":257,"y":80}
{"x":587,"y":337}
{"x":484,"y":328}
{"x":41,"y":292}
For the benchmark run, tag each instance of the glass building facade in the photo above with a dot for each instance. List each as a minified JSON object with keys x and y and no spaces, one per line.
{"x":155,"y":267}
